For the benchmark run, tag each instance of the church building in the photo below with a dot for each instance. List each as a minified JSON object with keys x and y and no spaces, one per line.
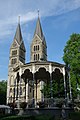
{"x":26,"y":81}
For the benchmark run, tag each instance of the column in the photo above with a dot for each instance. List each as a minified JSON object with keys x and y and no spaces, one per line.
{"x":27,"y":91}
{"x":33,"y":71}
{"x":14,"y":88}
{"x":50,"y":71}
{"x":33,"y":92}
{"x":36,"y":92}
{"x":8,"y":89}
{"x":42,"y":94}
{"x":64,"y":82}
{"x":70,"y":85}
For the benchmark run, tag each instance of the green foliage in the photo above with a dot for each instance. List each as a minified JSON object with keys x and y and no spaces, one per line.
{"x":75,"y":116}
{"x":23,"y":105}
{"x":72,"y":59}
{"x":3,"y":90}
{"x":18,"y":118}
{"x":38,"y":117}
{"x":12,"y":105}
{"x":57,"y":89}
{"x":41,"y":104}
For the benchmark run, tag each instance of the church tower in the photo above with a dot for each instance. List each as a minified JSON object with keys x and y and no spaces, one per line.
{"x":17,"y":50}
{"x":38,"y":45}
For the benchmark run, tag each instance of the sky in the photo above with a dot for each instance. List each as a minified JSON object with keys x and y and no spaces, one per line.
{"x":59,"y":19}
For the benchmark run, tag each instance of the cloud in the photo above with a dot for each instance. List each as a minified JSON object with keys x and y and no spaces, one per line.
{"x":10,"y":11}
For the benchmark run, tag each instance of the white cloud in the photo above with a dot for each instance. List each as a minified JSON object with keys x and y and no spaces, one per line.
{"x":10,"y":10}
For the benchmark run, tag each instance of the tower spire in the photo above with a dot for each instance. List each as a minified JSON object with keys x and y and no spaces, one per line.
{"x":38,"y":29}
{"x":18,"y":34}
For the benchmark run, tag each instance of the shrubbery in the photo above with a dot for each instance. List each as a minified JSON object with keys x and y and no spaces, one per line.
{"x":23,"y":105}
{"x":75,"y":116}
{"x":41,"y":104}
{"x":39,"y":117}
{"x":18,"y":118}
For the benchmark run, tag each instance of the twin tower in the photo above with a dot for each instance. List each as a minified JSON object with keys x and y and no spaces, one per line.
{"x":38,"y":50}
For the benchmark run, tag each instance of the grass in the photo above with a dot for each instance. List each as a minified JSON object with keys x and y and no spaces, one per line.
{"x":72,"y":116}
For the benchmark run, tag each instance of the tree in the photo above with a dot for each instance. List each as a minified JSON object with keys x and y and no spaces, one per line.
{"x":72,"y":59}
{"x":3,"y":89}
{"x":57,"y":89}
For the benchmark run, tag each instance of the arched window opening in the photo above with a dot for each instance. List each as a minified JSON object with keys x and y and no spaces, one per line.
{"x":10,"y":90}
{"x":38,"y":56}
{"x":34,"y":48}
{"x":34,"y":57}
{"x":38,"y":47}
{"x":30,"y":90}
{"x":23,"y":89}
{"x":14,"y":61}
{"x":20,"y":90}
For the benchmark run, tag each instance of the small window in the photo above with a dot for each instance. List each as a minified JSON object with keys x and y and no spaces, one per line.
{"x":14,"y":61}
{"x":11,"y":98}
{"x":34,"y":48}
{"x":14,"y":52}
{"x":20,"y":90}
{"x":34,"y":57}
{"x":38,"y":47}
{"x":38,"y":56}
{"x":30,"y":90}
{"x":23,"y":89}
{"x":10,"y":90}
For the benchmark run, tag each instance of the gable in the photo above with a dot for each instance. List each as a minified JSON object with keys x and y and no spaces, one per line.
{"x":14,"y":44}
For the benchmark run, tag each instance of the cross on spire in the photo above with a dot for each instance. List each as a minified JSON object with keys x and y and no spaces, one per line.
{"x":19,"y":19}
{"x":38,"y":12}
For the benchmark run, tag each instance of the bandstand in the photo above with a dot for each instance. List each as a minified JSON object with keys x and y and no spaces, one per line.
{"x":27,"y":80}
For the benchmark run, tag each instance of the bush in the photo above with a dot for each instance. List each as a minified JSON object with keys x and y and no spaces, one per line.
{"x":6,"y":115}
{"x":12,"y":105}
{"x":59,"y":102}
{"x":41,"y":104}
{"x":75,"y":116}
{"x":44,"y":117}
{"x":39,"y":117}
{"x":23,"y":105}
{"x":18,"y":118}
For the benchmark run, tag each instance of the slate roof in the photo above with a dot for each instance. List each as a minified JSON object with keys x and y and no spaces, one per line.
{"x":38,"y":30}
{"x":18,"y":35}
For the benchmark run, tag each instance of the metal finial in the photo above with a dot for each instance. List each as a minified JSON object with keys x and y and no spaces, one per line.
{"x":19,"y":19}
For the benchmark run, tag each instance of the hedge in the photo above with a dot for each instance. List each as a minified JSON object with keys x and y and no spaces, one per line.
{"x":75,"y":116}
{"x":18,"y":118}
{"x":39,"y":117}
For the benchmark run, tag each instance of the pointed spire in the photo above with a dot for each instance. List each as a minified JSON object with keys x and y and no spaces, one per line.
{"x":38,"y":29}
{"x":18,"y":35}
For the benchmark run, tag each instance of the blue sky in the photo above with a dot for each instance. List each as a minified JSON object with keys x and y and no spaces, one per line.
{"x":59,"y":19}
